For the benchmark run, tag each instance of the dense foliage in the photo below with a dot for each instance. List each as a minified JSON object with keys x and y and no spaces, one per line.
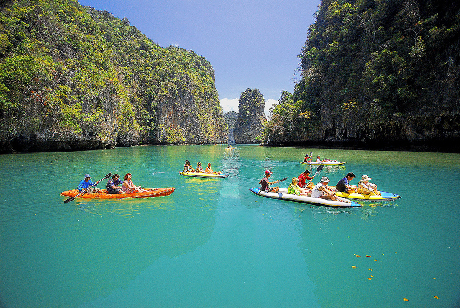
{"x":376,"y":73}
{"x":72,"y":77}
{"x":251,"y":118}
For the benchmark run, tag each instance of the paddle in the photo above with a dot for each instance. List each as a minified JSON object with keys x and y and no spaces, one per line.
{"x":84,"y":191}
{"x":283,"y":179}
{"x":318,"y":170}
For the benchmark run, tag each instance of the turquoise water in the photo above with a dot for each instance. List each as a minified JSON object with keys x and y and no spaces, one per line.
{"x":212,"y":243}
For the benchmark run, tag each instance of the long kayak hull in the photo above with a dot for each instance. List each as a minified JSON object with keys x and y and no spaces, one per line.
{"x":282,"y":194}
{"x":102,"y":194}
{"x":384,"y":196}
{"x":325,"y":163}
{"x":203,"y":175}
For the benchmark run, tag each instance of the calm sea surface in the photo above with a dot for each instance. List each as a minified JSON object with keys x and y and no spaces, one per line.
{"x":213,"y":243}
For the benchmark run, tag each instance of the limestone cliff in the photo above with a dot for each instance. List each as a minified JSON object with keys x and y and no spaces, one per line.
{"x":250,"y":122}
{"x":74,"y":78}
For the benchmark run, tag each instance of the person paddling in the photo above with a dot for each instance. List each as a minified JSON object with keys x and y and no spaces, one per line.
{"x":295,"y":189}
{"x":113,"y":185}
{"x":188,"y":167}
{"x":321,"y":191}
{"x":303,"y":177}
{"x":367,"y":188}
{"x":265,"y":183}
{"x":344,"y":184}
{"x":199,"y":168}
{"x":85,"y":183}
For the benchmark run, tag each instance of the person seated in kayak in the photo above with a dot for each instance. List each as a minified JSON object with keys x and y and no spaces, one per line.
{"x":307,"y":158}
{"x":86,"y":184}
{"x":344,"y":184}
{"x":188,"y":167}
{"x":265,"y":183}
{"x":113,"y":185}
{"x":199,"y":168}
{"x":303,"y":177}
{"x":367,"y":188}
{"x":295,"y":189}
{"x":209,"y":169}
{"x":128,"y":186}
{"x":321,"y":191}
{"x":318,"y":159}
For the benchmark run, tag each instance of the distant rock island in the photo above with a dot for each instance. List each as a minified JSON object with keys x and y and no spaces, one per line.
{"x":251,"y":118}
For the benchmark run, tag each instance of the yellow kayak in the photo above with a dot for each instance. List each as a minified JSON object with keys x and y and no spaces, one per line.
{"x":203,"y":175}
{"x":383,"y":196}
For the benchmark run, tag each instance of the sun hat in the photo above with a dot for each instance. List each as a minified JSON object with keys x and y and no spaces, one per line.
{"x":87,"y":176}
{"x":325,"y":179}
{"x":365,"y":178}
{"x":268,"y":172}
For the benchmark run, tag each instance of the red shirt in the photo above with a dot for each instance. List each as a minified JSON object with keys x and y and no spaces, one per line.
{"x":303,"y":177}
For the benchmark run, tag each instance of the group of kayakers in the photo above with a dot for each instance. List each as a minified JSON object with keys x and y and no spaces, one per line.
{"x":303,"y":185}
{"x":199,"y":168}
{"x":308,"y":159}
{"x":114,"y":185}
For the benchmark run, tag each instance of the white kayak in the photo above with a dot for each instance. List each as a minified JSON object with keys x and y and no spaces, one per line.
{"x":282,"y":194}
{"x":325,"y":163}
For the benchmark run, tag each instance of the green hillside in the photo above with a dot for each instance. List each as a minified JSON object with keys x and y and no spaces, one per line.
{"x":72,"y":77}
{"x":376,"y":74}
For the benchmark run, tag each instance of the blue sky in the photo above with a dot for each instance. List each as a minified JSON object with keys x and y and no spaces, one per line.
{"x":250,"y":43}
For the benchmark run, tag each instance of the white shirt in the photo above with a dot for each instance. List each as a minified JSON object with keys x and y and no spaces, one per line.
{"x":316,"y":193}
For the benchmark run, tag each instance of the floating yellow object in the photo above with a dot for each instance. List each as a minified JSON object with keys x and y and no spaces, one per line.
{"x":358,"y":256}
{"x":369,"y":278}
{"x":353,"y":266}
{"x":370,"y":269}
{"x":368,"y":256}
{"x":405,"y":299}
{"x":436,"y":297}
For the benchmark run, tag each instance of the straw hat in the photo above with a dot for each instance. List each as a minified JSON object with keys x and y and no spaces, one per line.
{"x":365,"y":178}
{"x":325,"y":179}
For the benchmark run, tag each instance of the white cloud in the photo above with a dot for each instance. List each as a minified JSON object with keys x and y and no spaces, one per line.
{"x":229,"y":104}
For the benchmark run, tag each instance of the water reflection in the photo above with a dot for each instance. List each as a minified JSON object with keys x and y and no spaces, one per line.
{"x":56,"y":254}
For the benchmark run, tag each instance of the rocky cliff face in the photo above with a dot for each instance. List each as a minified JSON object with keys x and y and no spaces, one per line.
{"x":251,"y":118}
{"x":380,"y":75}
{"x":231,"y":118}
{"x":74,"y":78}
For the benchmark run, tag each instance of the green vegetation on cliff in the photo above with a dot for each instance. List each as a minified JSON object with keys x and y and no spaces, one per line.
{"x":72,"y":77}
{"x":376,"y":74}
{"x":251,"y":118}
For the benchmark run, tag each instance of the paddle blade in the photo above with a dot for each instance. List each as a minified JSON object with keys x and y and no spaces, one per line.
{"x":69,"y":199}
{"x":319,"y":168}
{"x":283,"y":179}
